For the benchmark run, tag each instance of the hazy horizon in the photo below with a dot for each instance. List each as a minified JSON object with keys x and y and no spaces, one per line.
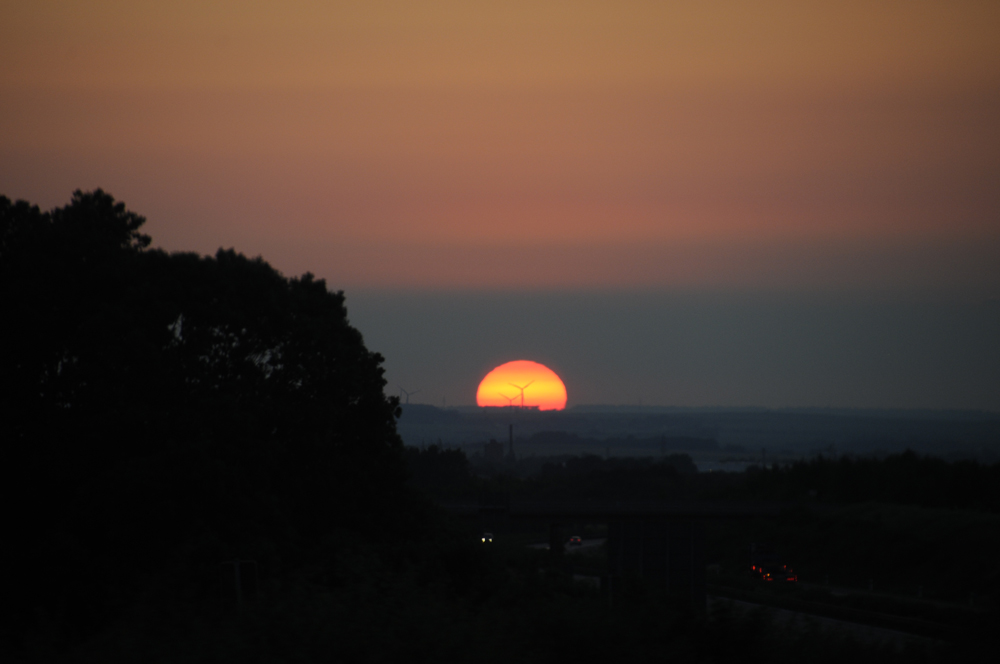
{"x":771,"y":350}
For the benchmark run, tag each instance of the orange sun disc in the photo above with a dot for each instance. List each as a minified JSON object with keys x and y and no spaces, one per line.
{"x":539,"y":386}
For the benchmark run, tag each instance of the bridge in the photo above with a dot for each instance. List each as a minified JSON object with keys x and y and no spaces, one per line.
{"x":646,"y":539}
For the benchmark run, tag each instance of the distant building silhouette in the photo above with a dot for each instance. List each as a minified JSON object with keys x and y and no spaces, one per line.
{"x":493,"y":452}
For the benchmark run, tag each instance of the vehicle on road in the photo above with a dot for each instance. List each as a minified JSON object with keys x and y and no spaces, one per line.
{"x":575,"y":540}
{"x":775,"y":573}
{"x":487,"y":538}
{"x":767,"y":565}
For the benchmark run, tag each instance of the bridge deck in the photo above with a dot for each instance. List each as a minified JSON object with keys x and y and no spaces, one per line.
{"x":616,"y":510}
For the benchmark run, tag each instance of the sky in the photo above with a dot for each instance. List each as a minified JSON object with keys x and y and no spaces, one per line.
{"x":777,"y":162}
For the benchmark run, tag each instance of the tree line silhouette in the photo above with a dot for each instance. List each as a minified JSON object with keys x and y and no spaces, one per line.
{"x":902,"y":479}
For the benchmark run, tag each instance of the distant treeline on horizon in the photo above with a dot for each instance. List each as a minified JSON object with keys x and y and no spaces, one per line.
{"x":652,"y":443}
{"x":591,"y":429}
{"x":907,"y":413}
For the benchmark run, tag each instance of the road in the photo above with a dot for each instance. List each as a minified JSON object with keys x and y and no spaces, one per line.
{"x":786,"y":618}
{"x":779,"y":617}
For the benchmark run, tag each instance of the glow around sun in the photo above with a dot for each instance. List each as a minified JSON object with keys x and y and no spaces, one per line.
{"x":542,"y":388}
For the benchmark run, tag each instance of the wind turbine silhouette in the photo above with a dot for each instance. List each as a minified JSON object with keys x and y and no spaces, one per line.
{"x":522,"y":388}
{"x":408,"y":394}
{"x":510,"y":400}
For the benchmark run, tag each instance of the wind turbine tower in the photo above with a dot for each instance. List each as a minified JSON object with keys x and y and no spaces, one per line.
{"x":408,"y":394}
{"x":523,"y":388}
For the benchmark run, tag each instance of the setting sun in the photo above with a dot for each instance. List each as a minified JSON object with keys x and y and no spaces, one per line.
{"x":522,"y":383}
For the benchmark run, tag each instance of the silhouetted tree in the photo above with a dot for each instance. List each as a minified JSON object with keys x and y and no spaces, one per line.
{"x":437,"y":470}
{"x":166,"y":411}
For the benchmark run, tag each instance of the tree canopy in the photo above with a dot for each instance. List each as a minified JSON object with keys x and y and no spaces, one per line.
{"x":172,"y":410}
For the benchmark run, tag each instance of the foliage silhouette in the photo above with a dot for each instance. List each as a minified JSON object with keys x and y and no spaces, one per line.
{"x":902,"y":479}
{"x":436,"y":470}
{"x":163,"y":412}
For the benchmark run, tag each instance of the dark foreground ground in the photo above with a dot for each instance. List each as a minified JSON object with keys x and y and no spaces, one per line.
{"x":879,"y":582}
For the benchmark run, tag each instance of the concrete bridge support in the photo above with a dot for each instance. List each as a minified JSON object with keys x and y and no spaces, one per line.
{"x":670,"y":550}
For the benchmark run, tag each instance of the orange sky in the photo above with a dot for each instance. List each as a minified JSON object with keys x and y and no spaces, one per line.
{"x":526,"y":145}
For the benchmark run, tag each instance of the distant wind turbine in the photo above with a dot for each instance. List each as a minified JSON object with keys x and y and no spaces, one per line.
{"x":510,"y":400}
{"x":408,"y":394}
{"x":522,"y":388}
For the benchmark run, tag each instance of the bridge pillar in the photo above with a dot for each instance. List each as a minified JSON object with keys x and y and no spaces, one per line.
{"x":660,"y":549}
{"x":494,"y":512}
{"x":557,"y":539}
